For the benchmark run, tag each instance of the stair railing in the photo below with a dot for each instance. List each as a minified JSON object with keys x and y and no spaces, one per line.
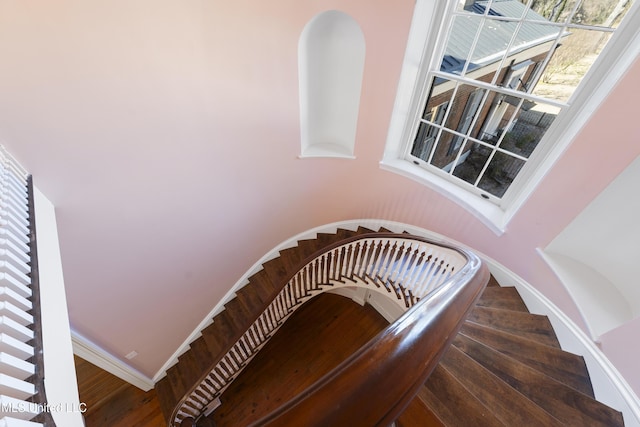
{"x":23,"y":395}
{"x":425,"y":277}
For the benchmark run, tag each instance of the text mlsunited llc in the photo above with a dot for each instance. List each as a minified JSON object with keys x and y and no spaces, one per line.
{"x":36,"y":408}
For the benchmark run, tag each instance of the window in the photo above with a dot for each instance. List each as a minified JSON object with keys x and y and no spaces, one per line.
{"x":493,"y":100}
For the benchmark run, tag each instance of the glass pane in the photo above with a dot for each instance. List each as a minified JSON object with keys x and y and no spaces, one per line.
{"x":528,"y":128}
{"x":509,"y":9}
{"x":605,"y":13}
{"x":495,"y":117}
{"x":471,"y":6}
{"x":461,"y":36}
{"x":438,"y":103}
{"x":553,"y":10}
{"x":521,"y":76}
{"x":464,"y":108}
{"x":570,"y":62}
{"x":446,"y":151}
{"x":473,"y":163}
{"x":466,"y":6}
{"x":535,"y":33}
{"x":492,"y":45}
{"x":500,"y":173}
{"x":424,"y":142}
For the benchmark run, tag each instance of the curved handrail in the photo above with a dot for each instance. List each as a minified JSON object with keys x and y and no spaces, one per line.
{"x":406,"y":267}
{"x":386,"y":373}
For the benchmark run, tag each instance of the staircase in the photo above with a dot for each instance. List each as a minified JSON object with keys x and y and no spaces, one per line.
{"x":22,"y":394}
{"x":230,"y":324}
{"x":505,"y":366}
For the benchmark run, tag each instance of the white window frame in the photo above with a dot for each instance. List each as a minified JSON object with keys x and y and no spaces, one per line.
{"x":424,"y":48}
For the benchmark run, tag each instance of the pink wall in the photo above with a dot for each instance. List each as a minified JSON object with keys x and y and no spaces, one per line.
{"x":605,"y":146}
{"x":196,"y":105}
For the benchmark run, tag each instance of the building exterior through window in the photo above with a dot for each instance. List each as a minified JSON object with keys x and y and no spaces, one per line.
{"x":507,"y":70}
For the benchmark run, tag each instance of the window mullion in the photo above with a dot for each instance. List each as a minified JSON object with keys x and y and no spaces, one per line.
{"x":500,"y":89}
{"x":507,"y":51}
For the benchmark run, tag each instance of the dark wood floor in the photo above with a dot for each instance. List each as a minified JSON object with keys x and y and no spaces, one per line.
{"x":317,"y":338}
{"x":320,"y":335}
{"x":112,"y":402}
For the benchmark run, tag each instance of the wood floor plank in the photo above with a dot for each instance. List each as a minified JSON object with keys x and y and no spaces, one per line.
{"x":94,"y":384}
{"x":319,"y":336}
{"x":506,"y":298}
{"x":112,"y":402}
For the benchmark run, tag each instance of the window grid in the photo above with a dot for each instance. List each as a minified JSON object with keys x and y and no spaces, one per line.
{"x":492,"y":89}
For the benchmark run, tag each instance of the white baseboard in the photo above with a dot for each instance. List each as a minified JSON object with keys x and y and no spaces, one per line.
{"x":90,"y":352}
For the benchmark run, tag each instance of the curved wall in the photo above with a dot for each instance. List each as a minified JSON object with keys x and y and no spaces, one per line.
{"x":205,"y":135}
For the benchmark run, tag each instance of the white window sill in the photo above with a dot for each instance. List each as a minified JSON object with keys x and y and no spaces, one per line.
{"x":490,"y":214}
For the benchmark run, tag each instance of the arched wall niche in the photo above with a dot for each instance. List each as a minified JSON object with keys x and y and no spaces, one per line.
{"x":596,"y":255}
{"x":331,"y":53}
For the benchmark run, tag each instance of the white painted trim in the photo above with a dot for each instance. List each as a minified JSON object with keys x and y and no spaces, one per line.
{"x":60,"y":382}
{"x":609,"y":385}
{"x":388,"y":308}
{"x":357,"y":295}
{"x":92,"y":353}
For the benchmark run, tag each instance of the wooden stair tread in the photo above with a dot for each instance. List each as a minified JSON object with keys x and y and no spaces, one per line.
{"x":166,"y":399}
{"x":189,"y":367}
{"x":322,"y":240}
{"x":201,"y":354}
{"x":502,"y":297}
{"x":452,"y":403}
{"x":493,"y":282}
{"x":240,"y":314}
{"x":343,"y":233}
{"x":276,"y":270}
{"x":560,"y":365}
{"x":307,"y":247}
{"x":325,"y":239}
{"x":506,"y":403}
{"x":291,"y":257}
{"x":252,"y":300}
{"x":561,"y":401}
{"x":531,"y":326}
{"x":263,"y":285}
{"x":219,"y":335}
